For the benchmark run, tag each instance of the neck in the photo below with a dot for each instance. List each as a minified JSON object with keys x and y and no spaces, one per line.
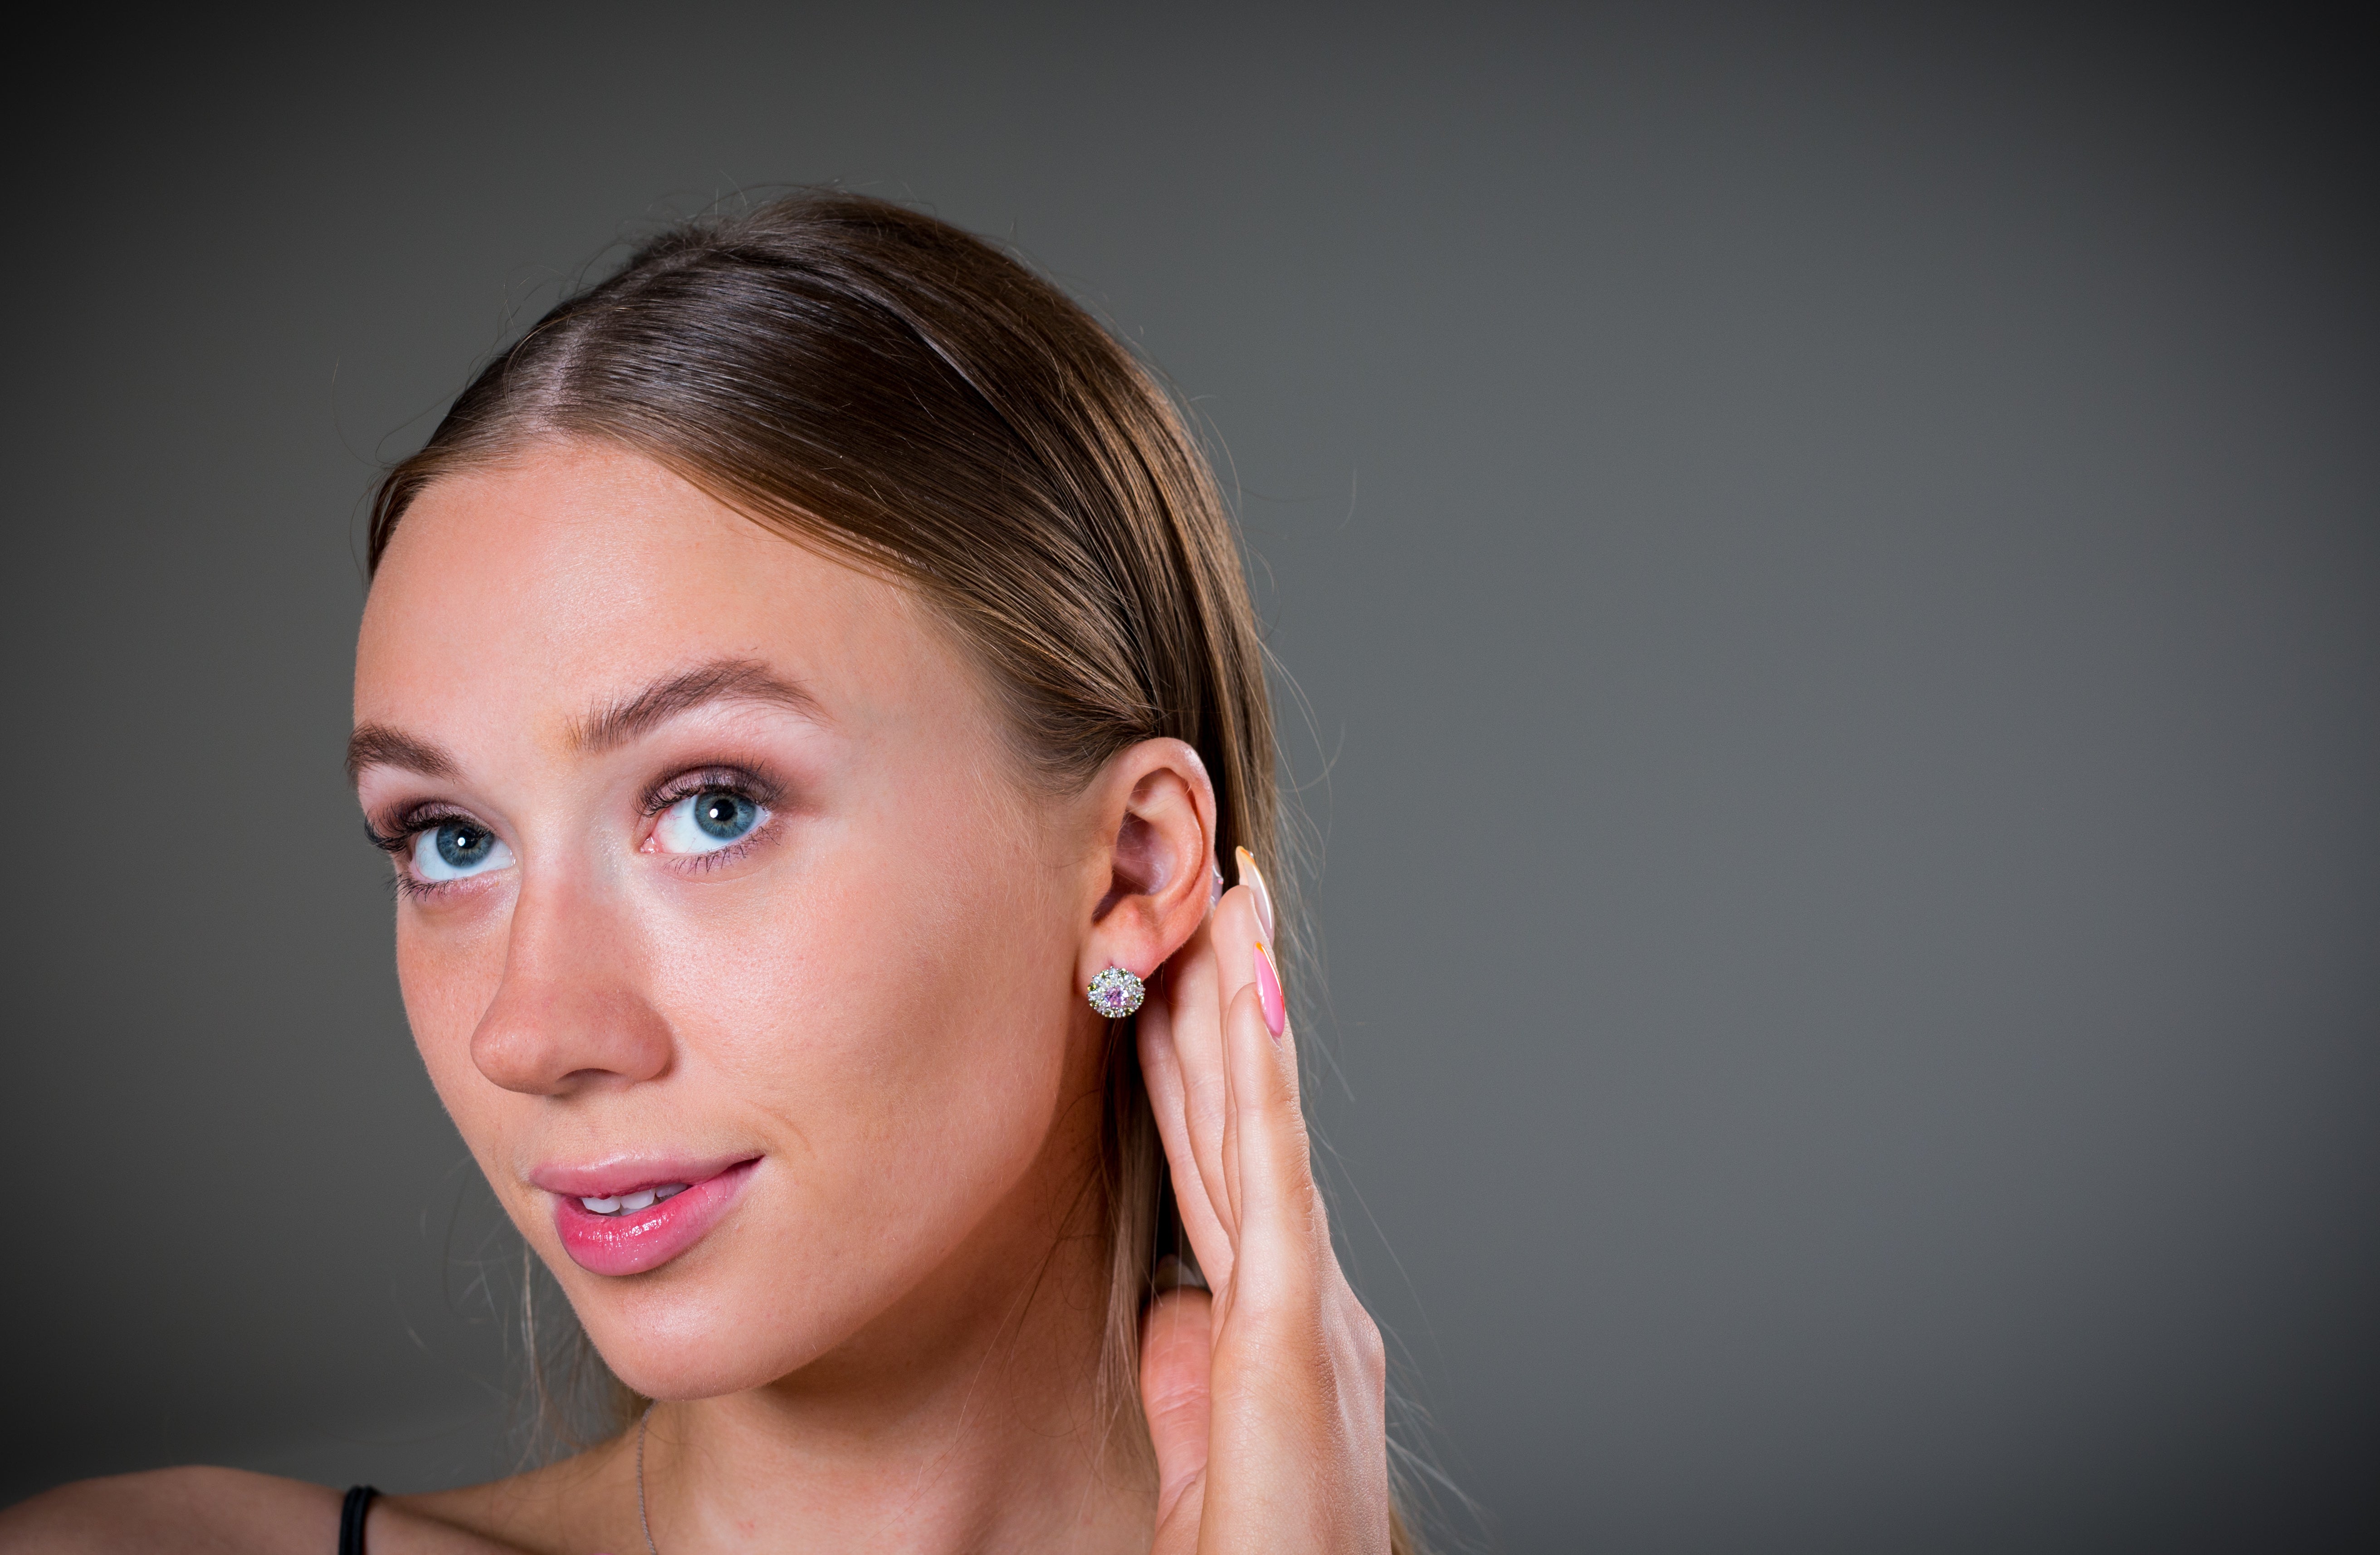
{"x":967,"y":1418}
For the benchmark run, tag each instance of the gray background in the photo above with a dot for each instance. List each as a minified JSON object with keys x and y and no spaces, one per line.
{"x":1834,"y":561}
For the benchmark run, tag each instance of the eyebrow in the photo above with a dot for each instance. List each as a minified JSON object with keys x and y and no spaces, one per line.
{"x":715,"y":680}
{"x":377,"y":745}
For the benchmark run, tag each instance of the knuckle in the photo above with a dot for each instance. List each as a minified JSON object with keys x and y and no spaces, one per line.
{"x":1371,"y":1349}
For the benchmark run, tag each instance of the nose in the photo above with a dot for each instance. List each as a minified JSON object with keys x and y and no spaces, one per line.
{"x":570,"y":1013}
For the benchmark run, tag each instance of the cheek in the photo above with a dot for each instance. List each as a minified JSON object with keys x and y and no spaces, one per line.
{"x":898,"y":1016}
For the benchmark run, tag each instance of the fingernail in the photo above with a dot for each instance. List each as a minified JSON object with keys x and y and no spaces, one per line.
{"x":1276,"y":1008}
{"x":1254,"y":879}
{"x":1175,"y":1273}
{"x":1215,"y":891}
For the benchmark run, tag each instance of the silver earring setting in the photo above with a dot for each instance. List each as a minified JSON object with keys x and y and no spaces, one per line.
{"x":1116,"y":993}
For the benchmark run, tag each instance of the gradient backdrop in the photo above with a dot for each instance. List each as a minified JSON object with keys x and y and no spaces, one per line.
{"x":1834,"y":558}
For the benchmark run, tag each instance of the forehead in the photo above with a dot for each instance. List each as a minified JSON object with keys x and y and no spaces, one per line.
{"x":574,"y":572}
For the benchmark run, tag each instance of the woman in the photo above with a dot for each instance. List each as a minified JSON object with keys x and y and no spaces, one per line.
{"x":807,"y":688}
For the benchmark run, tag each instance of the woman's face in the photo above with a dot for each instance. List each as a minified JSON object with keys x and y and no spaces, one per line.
{"x":735,"y":941}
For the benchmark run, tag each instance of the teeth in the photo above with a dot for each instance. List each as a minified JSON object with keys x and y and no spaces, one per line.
{"x":643,"y":1198}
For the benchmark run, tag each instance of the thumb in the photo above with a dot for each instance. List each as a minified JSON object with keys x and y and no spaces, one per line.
{"x":1175,"y":1343}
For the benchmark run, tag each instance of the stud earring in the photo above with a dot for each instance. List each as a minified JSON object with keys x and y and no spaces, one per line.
{"x":1116,"y":993}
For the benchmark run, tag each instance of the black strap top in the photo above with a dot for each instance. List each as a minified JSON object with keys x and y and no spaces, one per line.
{"x":351,"y":1519}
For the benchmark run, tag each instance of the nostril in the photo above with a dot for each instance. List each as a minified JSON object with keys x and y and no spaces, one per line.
{"x":569,"y":1015}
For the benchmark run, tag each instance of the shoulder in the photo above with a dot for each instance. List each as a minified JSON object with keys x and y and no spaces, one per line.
{"x":207,"y":1511}
{"x":181,"y":1509}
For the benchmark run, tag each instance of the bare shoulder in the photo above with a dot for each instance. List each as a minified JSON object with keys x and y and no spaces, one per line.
{"x":207,"y":1511}
{"x":583,"y":1503}
{"x":186,"y":1509}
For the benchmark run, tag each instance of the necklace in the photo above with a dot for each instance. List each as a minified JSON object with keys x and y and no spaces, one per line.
{"x":642,"y":1421}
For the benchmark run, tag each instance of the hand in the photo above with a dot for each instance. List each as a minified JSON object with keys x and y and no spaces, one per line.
{"x":1265,"y":1399}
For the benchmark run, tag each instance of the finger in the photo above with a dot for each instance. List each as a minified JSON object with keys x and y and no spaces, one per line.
{"x":1271,"y":1164}
{"x":1195,"y":1011}
{"x":1160,"y":1068}
{"x":1235,"y":931}
{"x":1176,"y":1366}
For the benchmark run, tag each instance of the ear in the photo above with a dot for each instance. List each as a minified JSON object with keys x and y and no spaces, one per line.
{"x":1154,"y":855}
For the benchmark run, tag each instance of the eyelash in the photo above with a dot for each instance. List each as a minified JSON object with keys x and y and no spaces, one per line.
{"x":409,"y":823}
{"x":743,"y":784}
{"x":398,"y":843}
{"x":414,"y":820}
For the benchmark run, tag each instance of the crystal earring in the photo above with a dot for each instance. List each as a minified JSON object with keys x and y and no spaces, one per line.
{"x":1116,"y":993}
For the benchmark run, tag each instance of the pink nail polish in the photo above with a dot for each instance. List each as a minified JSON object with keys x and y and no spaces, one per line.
{"x":1268,"y":995}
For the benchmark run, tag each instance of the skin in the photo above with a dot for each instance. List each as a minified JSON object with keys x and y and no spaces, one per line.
{"x":889,"y":1341}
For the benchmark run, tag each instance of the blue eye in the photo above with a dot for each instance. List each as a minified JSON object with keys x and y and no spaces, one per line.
{"x":707,"y":821}
{"x":455,"y":850}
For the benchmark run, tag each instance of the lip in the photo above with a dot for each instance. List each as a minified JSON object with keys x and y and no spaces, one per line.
{"x":635,"y":1241}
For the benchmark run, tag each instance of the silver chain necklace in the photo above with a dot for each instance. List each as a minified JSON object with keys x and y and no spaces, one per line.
{"x":643,"y":1420}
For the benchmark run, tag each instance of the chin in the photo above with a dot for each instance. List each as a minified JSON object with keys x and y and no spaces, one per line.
{"x":684,"y":1342}
{"x":757,"y":1302}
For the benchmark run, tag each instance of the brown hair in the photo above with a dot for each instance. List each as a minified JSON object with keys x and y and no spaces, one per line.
{"x":876,"y":382}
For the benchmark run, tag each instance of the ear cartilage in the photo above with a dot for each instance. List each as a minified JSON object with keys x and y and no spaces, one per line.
{"x":1116,"y":993}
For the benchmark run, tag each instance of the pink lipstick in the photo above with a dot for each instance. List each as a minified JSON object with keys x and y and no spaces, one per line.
{"x":627,"y":1217}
